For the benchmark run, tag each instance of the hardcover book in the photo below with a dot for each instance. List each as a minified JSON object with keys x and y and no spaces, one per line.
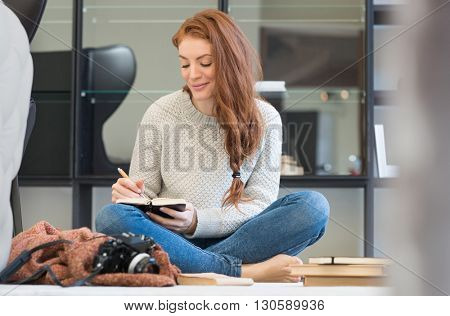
{"x":337,"y":270}
{"x":349,"y":260}
{"x":211,"y":279}
{"x":344,"y":281}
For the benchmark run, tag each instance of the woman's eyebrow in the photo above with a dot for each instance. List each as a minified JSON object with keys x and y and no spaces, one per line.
{"x":195,"y":58}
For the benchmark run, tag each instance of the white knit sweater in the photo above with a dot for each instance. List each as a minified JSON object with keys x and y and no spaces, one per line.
{"x":180,"y":153}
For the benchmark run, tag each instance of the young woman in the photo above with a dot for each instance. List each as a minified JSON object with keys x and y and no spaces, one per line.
{"x":218,"y":146}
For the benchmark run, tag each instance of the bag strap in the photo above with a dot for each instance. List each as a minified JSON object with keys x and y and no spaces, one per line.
{"x":86,"y":280}
{"x":38,"y":274}
{"x":24,"y":257}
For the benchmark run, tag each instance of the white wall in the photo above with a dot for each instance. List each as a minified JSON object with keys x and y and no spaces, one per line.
{"x":345,"y":231}
{"x":52,"y":204}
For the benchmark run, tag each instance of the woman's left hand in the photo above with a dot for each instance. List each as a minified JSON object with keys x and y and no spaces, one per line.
{"x":182,"y":222}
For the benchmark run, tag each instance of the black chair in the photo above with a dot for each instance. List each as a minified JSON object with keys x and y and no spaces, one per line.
{"x":108,"y":73}
{"x":106,"y":76}
{"x":30,"y":14}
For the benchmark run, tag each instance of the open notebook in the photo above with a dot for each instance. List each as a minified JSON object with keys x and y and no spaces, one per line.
{"x":153,"y":205}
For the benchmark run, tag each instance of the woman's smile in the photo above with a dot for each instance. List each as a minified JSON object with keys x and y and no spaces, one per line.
{"x":198,"y":87}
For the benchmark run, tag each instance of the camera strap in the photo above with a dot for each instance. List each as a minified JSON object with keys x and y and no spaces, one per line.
{"x":23,"y":258}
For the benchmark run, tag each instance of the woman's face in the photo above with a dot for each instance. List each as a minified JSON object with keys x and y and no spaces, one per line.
{"x":197,"y":67}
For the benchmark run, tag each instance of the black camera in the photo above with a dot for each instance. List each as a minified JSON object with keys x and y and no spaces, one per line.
{"x":127,"y":253}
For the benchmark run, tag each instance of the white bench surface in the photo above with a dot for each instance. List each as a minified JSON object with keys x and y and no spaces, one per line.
{"x":275,"y":289}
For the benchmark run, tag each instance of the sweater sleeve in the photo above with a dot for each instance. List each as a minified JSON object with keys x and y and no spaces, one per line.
{"x":146,"y":158}
{"x":262,"y":187}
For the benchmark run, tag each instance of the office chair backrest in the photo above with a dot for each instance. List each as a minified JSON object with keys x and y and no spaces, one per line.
{"x":16,"y":74}
{"x":29,"y":13}
{"x":108,"y":74}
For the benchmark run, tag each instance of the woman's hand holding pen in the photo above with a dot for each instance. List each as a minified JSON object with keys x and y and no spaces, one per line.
{"x":182,"y":222}
{"x":126,"y":188}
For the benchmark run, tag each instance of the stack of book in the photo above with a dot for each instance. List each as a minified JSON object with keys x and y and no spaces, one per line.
{"x":343,"y":271}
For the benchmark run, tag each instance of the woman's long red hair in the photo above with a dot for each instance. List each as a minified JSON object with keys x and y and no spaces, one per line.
{"x":237,"y":68}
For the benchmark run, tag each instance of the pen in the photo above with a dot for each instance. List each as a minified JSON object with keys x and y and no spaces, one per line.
{"x":124,"y":175}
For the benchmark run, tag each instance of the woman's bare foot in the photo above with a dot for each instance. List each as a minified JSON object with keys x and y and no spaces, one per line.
{"x":275,"y":269}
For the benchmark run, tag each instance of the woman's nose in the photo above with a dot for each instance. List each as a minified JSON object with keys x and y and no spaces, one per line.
{"x":194,"y":72}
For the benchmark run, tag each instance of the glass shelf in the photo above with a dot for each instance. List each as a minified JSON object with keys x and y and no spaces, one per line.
{"x":298,"y":90}
{"x":298,"y":12}
{"x":326,"y":99}
{"x":148,"y":6}
{"x":141,"y":92}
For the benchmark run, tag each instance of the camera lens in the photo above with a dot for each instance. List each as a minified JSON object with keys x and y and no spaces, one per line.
{"x":138,"y":263}
{"x":143,"y":263}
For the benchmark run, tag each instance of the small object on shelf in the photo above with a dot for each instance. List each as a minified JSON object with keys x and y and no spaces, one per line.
{"x":355,"y":169}
{"x":290,"y":167}
{"x":344,"y":94}
{"x":324,"y":96}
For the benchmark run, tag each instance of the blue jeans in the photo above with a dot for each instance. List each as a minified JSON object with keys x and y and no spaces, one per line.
{"x":287,"y":226}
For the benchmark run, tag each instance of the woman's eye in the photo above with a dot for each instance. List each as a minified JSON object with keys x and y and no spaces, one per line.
{"x":206,"y":65}
{"x":184,"y":66}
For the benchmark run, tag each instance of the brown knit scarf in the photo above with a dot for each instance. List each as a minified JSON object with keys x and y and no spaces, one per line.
{"x":72,"y":262}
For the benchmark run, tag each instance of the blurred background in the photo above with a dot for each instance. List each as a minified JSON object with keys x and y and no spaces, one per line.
{"x":418,"y":214}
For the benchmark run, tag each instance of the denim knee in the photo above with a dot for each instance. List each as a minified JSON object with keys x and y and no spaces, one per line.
{"x":110,"y":216}
{"x":317,"y":208}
